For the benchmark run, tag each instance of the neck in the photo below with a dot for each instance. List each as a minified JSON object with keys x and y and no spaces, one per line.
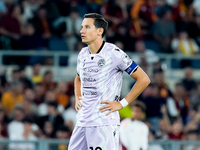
{"x":94,"y":47}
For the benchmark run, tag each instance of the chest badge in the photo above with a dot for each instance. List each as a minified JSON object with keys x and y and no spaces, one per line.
{"x":101,"y":62}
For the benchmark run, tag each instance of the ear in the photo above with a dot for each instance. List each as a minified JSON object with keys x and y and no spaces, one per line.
{"x":100,"y":31}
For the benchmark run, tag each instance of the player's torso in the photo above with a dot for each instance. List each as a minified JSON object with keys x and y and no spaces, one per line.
{"x":99,"y":79}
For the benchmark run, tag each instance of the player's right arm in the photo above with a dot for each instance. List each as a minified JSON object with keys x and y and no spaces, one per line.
{"x":77,"y":91}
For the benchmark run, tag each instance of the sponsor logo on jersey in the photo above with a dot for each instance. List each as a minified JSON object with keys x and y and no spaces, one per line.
{"x":114,"y":133}
{"x":101,"y":62}
{"x":84,"y":62}
{"x":117,"y":98}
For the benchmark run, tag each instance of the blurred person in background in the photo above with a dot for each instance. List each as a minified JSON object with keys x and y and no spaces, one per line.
{"x":30,"y":109}
{"x":153,"y":104}
{"x":3,"y":81}
{"x":72,"y":33}
{"x":133,"y":132}
{"x":194,"y":122}
{"x":42,"y":24}
{"x":147,"y":55}
{"x":184,"y":44}
{"x":182,"y":101}
{"x":192,"y":111}
{"x":182,"y":11}
{"x":29,"y":8}
{"x":3,"y":124}
{"x":188,"y":81}
{"x":158,"y":4}
{"x":47,"y":82}
{"x":195,"y":96}
{"x":15,"y":75}
{"x":194,"y":29}
{"x":30,"y":40}
{"x":162,"y":132}
{"x":61,"y":94}
{"x":143,"y":15}
{"x":39,"y":93}
{"x":164,"y":30}
{"x":47,"y":130}
{"x":15,"y":127}
{"x":70,"y":26}
{"x":122,"y":35}
{"x":27,"y":83}
{"x":115,"y":12}
{"x":10,"y":26}
{"x":26,"y":135}
{"x":50,"y":96}
{"x":13,"y":96}
{"x":63,"y":132}
{"x":53,"y":116}
{"x":52,"y":10}
{"x":36,"y":76}
{"x":175,"y":129}
{"x":192,"y":135}
{"x":159,"y":79}
{"x":153,"y":146}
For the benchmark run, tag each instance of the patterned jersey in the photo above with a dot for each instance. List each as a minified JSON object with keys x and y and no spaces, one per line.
{"x":101,"y":79}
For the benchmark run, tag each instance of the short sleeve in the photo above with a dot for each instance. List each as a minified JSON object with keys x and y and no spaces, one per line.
{"x":124,"y":62}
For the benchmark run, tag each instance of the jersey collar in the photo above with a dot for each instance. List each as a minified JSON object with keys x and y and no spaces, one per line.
{"x":100,"y":48}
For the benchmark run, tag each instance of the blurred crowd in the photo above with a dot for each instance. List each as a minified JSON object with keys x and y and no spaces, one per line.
{"x":38,"y":107}
{"x":170,"y":115}
{"x":166,"y":26}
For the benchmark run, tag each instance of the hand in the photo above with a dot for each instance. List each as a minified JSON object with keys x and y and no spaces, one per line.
{"x":111,"y":106}
{"x":78,"y":104}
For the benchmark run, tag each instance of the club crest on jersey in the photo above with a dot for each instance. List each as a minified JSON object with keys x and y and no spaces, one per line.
{"x":101,"y":62}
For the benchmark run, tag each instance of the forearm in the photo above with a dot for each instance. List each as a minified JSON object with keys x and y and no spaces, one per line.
{"x":167,"y":121}
{"x":142,"y":81}
{"x":137,"y":90}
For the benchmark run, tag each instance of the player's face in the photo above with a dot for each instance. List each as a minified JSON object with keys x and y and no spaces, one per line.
{"x":137,"y":113}
{"x":89,"y":32}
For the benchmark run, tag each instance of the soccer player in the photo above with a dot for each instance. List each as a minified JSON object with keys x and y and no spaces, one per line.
{"x":98,"y":83}
{"x":133,"y":132}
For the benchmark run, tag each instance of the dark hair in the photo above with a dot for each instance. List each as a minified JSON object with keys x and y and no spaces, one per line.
{"x":99,"y":21}
{"x":53,"y":104}
{"x":27,"y":120}
{"x":47,"y":72}
{"x":194,"y":131}
{"x":158,"y":71}
{"x":19,"y":109}
{"x":139,"y":104}
{"x":63,"y":128}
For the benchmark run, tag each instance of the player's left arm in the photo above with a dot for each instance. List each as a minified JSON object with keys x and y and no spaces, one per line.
{"x":142,"y":81}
